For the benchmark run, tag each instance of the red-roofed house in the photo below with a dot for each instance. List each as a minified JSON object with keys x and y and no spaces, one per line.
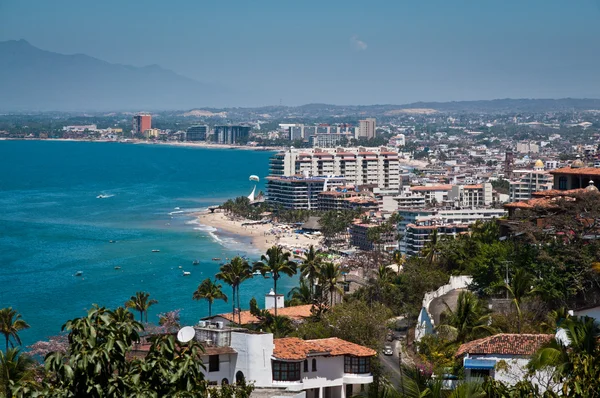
{"x":504,"y":357}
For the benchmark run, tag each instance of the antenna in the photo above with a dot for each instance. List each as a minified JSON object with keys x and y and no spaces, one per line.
{"x":186,"y":334}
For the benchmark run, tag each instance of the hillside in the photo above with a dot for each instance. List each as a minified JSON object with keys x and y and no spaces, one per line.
{"x":38,"y":80}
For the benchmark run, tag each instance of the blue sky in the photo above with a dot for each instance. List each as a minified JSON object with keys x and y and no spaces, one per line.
{"x":342,"y":52}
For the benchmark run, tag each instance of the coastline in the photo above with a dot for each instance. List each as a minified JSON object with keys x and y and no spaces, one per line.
{"x":262,"y":236}
{"x":167,"y":143}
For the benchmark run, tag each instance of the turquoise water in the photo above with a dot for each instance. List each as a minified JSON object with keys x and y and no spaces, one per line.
{"x":52,"y":225}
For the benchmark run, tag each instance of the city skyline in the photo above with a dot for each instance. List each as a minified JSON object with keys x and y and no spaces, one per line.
{"x":338,"y":53}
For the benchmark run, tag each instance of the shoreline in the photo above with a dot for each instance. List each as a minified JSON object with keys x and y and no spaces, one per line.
{"x":262,"y":236}
{"x":166,"y":143}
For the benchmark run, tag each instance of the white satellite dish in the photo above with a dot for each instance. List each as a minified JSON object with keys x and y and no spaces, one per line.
{"x":186,"y":334}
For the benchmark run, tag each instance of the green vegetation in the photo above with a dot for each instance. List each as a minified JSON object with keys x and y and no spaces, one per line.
{"x":210,"y":291}
{"x":234,"y":273}
{"x":10,"y":326}
{"x":141,"y":303}
{"x":275,"y":262}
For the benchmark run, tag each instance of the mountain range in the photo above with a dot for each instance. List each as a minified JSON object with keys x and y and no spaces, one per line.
{"x":32,"y":79}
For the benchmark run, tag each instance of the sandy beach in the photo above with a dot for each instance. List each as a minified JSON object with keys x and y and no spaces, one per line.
{"x":263,"y":236}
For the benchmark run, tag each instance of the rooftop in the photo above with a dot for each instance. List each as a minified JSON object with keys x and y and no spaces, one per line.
{"x":577,"y":171}
{"x":293,"y":348}
{"x":506,"y":344}
{"x":296,"y":313}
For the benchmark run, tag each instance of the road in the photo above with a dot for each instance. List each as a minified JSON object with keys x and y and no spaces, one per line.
{"x":390,"y":363}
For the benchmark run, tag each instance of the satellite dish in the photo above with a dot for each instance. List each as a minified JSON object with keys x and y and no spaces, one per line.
{"x":186,"y":334}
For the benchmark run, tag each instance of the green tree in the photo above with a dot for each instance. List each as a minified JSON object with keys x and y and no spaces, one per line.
{"x":141,"y":302}
{"x":469,"y":320}
{"x":432,"y":247}
{"x":328,"y":280}
{"x":209,"y":291}
{"x":234,"y":274}
{"x":15,"y":369}
{"x":276,"y":262}
{"x":301,"y":294}
{"x":10,"y":326}
{"x":310,"y":267}
{"x":520,"y":287}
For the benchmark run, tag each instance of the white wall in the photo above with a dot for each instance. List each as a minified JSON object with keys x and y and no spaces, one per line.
{"x":226,"y":362}
{"x":254,"y":357}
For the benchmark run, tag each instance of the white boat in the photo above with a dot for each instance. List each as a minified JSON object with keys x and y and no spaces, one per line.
{"x":102,"y":196}
{"x":256,"y":273}
{"x":155,"y":250}
{"x":195,"y":262}
{"x":78,"y":273}
{"x":186,"y":273}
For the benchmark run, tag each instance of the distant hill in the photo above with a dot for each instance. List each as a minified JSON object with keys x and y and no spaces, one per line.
{"x":38,"y":80}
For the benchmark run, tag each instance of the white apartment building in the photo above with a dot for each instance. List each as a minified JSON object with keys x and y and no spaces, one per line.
{"x":433,"y":193}
{"x":296,"y":192}
{"x":528,"y":182}
{"x":360,"y":165}
{"x":409,"y":199}
{"x":472,"y":195}
{"x":367,"y":128}
{"x":453,"y":220}
{"x":527,"y":147}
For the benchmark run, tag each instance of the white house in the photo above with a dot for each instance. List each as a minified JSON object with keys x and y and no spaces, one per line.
{"x":504,"y":357}
{"x":323,"y":368}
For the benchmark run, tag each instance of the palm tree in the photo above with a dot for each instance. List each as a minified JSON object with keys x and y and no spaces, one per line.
{"x":14,"y":368}
{"x":399,"y":259}
{"x":140,"y":303}
{"x":519,"y":288}
{"x":209,"y":291}
{"x":234,"y":273}
{"x":300,"y":294}
{"x":328,"y":279}
{"x":310,"y":267}
{"x":432,"y":248}
{"x":277,"y":262}
{"x":10,"y":325}
{"x":470,"y":319}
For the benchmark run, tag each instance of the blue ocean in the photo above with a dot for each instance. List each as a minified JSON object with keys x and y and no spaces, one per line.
{"x":52,"y":225}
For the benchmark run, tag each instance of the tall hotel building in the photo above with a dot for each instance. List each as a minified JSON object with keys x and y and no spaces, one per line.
{"x":360,"y":166}
{"x":141,"y":123}
{"x":366,"y":128}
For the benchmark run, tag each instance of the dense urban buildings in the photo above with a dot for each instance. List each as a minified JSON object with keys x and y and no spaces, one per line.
{"x":299,"y":192}
{"x":197,"y":133}
{"x":141,"y":123}
{"x":231,"y":134}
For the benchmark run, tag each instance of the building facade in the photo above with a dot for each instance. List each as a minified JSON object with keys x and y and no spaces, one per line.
{"x":361,"y":166}
{"x":231,"y":134}
{"x":197,"y":133}
{"x":527,"y":182}
{"x":141,"y":123}
{"x":297,"y":192}
{"x":367,"y":128}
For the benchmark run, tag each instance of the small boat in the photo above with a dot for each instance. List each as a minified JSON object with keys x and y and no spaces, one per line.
{"x":256,"y":273}
{"x":102,"y":196}
{"x":155,"y":250}
{"x":180,"y":267}
{"x":112,"y":241}
{"x":186,"y":273}
{"x":177,"y":208}
{"x":195,"y":262}
{"x":78,"y":273}
{"x":216,"y":258}
{"x":117,"y":267}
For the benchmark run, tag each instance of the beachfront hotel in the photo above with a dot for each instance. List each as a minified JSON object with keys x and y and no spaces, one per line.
{"x":297,"y":192}
{"x":359,"y":165}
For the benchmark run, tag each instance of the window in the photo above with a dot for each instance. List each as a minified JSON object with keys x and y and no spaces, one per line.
{"x":286,"y":371}
{"x":562,"y":183}
{"x":480,"y":373}
{"x":306,"y":365}
{"x":314,"y":365}
{"x":357,"y":364}
{"x":213,"y":363}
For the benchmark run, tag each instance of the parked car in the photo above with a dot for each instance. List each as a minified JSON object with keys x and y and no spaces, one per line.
{"x":387,"y":350}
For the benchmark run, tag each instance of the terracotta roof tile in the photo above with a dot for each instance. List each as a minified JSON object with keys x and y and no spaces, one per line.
{"x":558,"y":192}
{"x":419,"y":188}
{"x":295,"y":313}
{"x":577,"y":171}
{"x":506,"y":344}
{"x":293,"y":348}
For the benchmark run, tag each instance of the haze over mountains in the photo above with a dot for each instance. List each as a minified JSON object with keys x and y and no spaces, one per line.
{"x":36,"y":80}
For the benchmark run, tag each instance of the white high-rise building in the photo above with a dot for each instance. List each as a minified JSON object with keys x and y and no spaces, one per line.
{"x":377,"y":166}
{"x":366,"y":128}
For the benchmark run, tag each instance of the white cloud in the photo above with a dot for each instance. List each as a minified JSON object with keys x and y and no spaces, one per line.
{"x":358,"y":44}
